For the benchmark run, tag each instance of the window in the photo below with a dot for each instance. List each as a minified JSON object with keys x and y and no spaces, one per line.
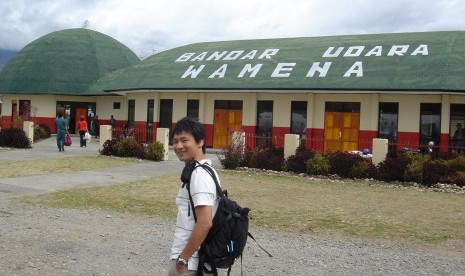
{"x":150,"y":108}
{"x":342,"y":107}
{"x":193,"y":109}
{"x":131,"y":113}
{"x":264,"y":118}
{"x":230,"y":105}
{"x":387,"y":121}
{"x":264,"y":123}
{"x":430,"y":123}
{"x":298,"y":117}
{"x":166,"y":115}
{"x":116,"y":105}
{"x":457,"y":124}
{"x":149,"y":125}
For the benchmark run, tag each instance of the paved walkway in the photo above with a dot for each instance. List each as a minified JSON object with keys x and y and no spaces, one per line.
{"x":28,"y":185}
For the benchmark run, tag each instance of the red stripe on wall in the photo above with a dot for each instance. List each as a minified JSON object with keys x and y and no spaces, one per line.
{"x":365,"y":139}
{"x":279,"y":133}
{"x":249,"y":129}
{"x":250,"y":141}
{"x":47,"y":121}
{"x":315,"y":139}
{"x":141,"y":126}
{"x":5,"y":122}
{"x":208,"y":134}
{"x":407,"y":140}
{"x":444,"y":142}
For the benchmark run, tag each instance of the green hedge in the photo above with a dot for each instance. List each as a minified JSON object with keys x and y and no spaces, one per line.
{"x":448,"y":168}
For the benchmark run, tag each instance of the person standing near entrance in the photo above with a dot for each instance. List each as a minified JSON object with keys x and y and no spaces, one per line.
{"x":459,"y":136}
{"x":112,"y":122}
{"x":82,"y":126}
{"x":96,"y":126}
{"x":189,"y":145}
{"x":62,"y":130}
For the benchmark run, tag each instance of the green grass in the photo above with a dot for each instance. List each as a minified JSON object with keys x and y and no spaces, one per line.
{"x":66,"y":164}
{"x":291,"y":203}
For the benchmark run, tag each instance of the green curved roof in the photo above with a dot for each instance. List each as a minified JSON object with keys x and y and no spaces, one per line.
{"x":65,"y":62}
{"x":429,"y":61}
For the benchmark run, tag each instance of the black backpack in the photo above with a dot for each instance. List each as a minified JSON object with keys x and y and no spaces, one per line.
{"x":227,"y":238}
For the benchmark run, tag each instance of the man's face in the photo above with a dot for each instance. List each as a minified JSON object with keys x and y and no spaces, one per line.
{"x":186,"y":148}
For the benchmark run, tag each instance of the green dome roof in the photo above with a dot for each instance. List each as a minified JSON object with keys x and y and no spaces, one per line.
{"x":65,"y":62}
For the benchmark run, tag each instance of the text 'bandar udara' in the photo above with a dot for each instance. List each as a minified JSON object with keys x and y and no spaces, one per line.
{"x":284,"y":69}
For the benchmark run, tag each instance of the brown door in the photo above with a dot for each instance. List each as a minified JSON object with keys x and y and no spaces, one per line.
{"x":80,"y":111}
{"x":341,"y":131}
{"x":226,"y":121}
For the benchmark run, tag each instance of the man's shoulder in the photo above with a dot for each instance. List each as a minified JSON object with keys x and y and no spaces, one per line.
{"x":203,"y":165}
{"x":204,"y":168}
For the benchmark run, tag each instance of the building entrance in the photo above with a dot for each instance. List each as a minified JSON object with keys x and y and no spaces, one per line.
{"x":342,"y":123}
{"x":227,"y":119}
{"x":72,"y":111}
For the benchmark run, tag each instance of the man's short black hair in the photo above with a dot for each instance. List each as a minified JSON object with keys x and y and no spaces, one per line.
{"x":192,"y":126}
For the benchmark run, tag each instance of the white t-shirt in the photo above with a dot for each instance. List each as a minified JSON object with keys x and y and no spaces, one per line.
{"x":203,"y":191}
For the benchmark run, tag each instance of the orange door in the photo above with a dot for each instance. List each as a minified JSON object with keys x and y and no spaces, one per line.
{"x":333,"y":131}
{"x":225,"y":123}
{"x":341,"y":131}
{"x":350,"y":130}
{"x":80,"y":111}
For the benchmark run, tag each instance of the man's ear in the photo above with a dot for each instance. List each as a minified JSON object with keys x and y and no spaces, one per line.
{"x":201,"y":143}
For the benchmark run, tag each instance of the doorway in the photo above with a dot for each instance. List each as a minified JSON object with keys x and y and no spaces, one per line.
{"x":227,"y":119}
{"x":342,"y":123}
{"x":72,"y":111}
{"x":80,"y":111}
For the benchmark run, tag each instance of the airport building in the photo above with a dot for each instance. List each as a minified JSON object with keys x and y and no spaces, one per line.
{"x":336,"y":92}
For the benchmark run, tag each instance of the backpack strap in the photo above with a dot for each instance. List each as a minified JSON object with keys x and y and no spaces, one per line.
{"x":188,"y":187}
{"x":213,"y":175}
{"x":185,"y":177}
{"x":250,"y":235}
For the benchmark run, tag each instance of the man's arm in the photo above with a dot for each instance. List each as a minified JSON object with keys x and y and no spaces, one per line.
{"x":200,"y":231}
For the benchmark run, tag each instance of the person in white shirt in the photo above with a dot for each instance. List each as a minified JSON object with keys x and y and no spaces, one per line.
{"x":189,"y":145}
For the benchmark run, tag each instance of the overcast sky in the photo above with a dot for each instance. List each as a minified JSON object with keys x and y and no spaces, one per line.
{"x":150,"y":26}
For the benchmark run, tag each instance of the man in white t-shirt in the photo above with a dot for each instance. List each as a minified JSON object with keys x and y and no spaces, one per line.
{"x":189,"y":145}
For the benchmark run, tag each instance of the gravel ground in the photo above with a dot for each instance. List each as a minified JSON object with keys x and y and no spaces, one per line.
{"x":36,"y":240}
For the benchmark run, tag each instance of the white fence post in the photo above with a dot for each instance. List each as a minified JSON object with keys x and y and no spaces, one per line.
{"x":163,"y":136}
{"x":28,"y":128}
{"x":105,"y":134}
{"x":380,"y":150}
{"x":291,"y":143}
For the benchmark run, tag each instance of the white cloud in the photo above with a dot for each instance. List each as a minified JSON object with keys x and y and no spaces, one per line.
{"x":148,"y":26}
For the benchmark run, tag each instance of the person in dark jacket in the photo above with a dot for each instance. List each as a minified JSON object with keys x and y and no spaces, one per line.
{"x":62,"y":130}
{"x":96,"y":126}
